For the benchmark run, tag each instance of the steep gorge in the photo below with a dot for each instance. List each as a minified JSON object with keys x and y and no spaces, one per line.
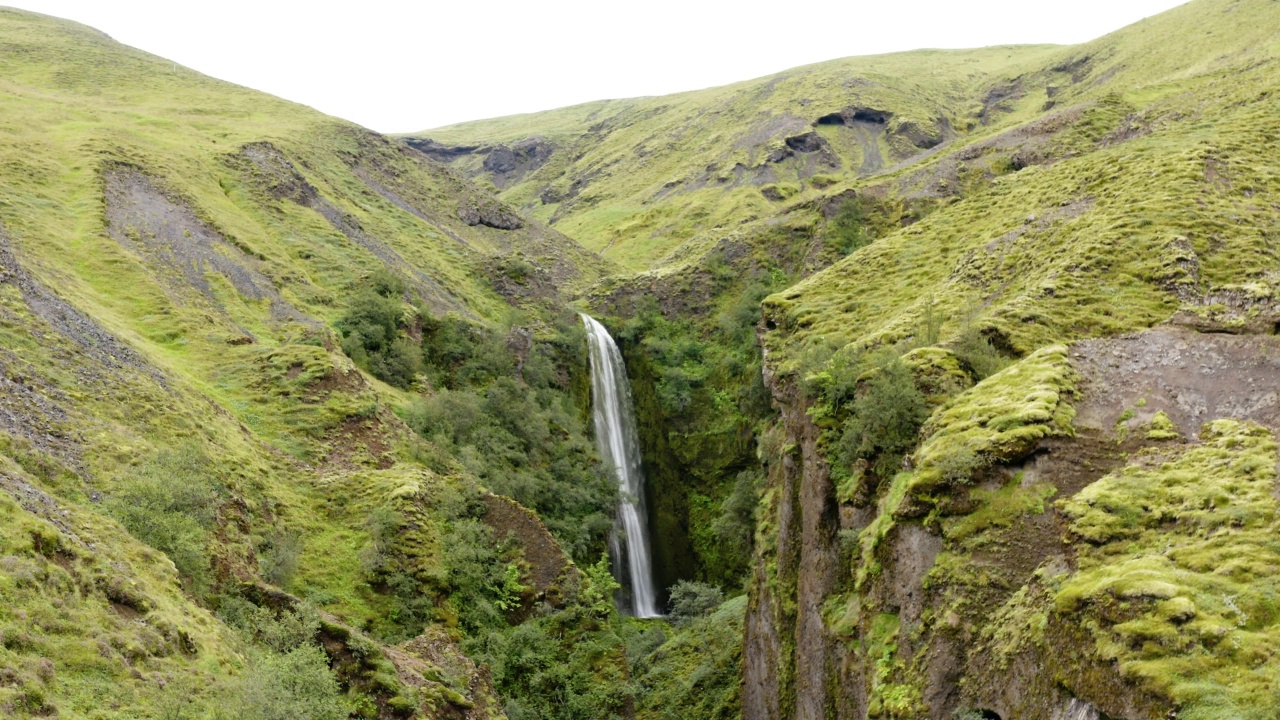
{"x":952,"y":371}
{"x":1067,"y":208}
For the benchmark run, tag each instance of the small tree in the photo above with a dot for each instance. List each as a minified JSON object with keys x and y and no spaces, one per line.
{"x":847,"y":230}
{"x":170,"y":503}
{"x":691,"y":600}
{"x":884,"y":419}
{"x":598,"y":588}
{"x":297,"y":685}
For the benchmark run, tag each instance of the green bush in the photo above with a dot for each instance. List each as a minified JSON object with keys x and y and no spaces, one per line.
{"x":278,"y":559}
{"x":372,"y":331}
{"x":170,"y":503}
{"x":383,"y":524}
{"x":296,"y":685}
{"x":529,"y":444}
{"x":475,"y":573}
{"x":692,"y":600}
{"x":697,"y":671}
{"x":847,"y":229}
{"x":559,"y":663}
{"x":279,"y":632}
{"x":884,"y":419}
{"x":975,"y":352}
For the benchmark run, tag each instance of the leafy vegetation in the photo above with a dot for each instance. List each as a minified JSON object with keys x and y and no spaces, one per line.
{"x":256,"y":360}
{"x":692,"y":600}
{"x":847,"y":230}
{"x":696,"y":670}
{"x":373,"y":331}
{"x":521,"y":432}
{"x":883,"y":419}
{"x":169,"y":503}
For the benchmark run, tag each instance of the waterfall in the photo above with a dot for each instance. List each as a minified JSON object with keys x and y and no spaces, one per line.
{"x":619,"y":446}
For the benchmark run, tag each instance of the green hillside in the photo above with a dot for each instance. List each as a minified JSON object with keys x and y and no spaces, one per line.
{"x":635,"y":178}
{"x":979,"y":486}
{"x":231,"y":327}
{"x":952,"y":372}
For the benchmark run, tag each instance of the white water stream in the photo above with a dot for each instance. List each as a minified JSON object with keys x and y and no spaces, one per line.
{"x":619,"y":446}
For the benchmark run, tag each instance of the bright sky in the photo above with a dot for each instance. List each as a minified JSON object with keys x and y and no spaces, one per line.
{"x":406,"y":66}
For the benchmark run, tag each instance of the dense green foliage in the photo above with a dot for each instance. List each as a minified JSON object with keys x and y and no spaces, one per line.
{"x":847,"y":229}
{"x":734,"y":528}
{"x":884,"y":419}
{"x":288,"y":674}
{"x":558,"y":662}
{"x":692,"y":671}
{"x":692,"y":600}
{"x":169,"y":503}
{"x":373,"y":331}
{"x":521,"y":432}
{"x":700,"y":397}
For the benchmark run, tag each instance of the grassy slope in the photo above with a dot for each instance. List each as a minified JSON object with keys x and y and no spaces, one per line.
{"x":295,"y":429}
{"x":1159,"y":200}
{"x":1135,"y":221}
{"x":660,"y":170}
{"x":1148,"y":189}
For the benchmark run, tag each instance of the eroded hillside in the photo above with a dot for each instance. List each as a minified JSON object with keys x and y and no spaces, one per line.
{"x":238,"y":342}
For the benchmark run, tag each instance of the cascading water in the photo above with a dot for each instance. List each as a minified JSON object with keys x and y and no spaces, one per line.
{"x":619,"y":446}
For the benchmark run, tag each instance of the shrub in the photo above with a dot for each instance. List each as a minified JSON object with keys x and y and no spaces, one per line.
{"x":847,"y":229}
{"x":475,"y":572}
{"x":371,"y":331}
{"x":169,"y":503}
{"x":296,"y":685}
{"x":691,"y":600}
{"x":528,"y":444}
{"x":598,"y":589}
{"x":884,"y":420}
{"x":278,"y":560}
{"x":383,"y":524}
{"x":976,"y":353}
{"x":280,"y":632}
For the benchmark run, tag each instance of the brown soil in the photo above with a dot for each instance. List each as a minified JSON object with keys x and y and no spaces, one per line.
{"x":546,"y":560}
{"x":356,"y":439}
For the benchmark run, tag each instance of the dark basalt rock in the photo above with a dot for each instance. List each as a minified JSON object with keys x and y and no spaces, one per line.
{"x":439,"y":151}
{"x":854,"y":114}
{"x":489,"y":214}
{"x":806,"y":143}
{"x":501,"y":159}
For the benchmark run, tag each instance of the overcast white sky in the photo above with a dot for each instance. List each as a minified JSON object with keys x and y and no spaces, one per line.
{"x":407,"y":66}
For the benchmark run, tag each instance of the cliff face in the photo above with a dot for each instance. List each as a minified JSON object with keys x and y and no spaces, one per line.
{"x":791,"y":663}
{"x":1069,"y":575}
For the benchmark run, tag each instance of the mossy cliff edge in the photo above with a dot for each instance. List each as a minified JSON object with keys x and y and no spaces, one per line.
{"x":1035,"y":548}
